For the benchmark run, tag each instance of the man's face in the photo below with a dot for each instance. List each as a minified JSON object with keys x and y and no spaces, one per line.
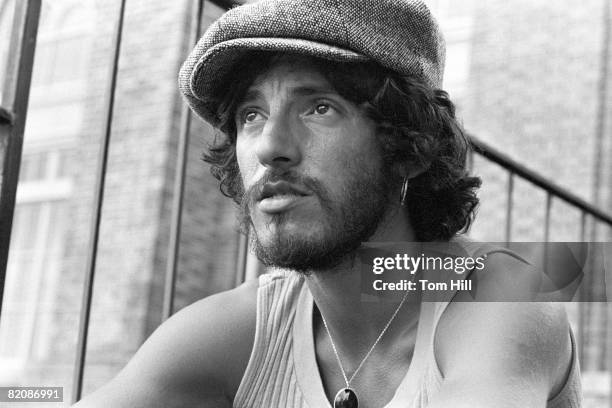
{"x":311,"y":168}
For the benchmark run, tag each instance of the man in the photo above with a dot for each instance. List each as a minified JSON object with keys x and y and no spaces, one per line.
{"x":334,"y":135}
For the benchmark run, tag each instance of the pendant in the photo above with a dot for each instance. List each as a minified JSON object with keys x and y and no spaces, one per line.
{"x":345,"y":398}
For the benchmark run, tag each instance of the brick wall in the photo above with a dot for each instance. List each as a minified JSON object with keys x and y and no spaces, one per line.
{"x":533,"y":85}
{"x":531,"y":92}
{"x":534,"y":93}
{"x":135,"y":227}
{"x":136,"y":219}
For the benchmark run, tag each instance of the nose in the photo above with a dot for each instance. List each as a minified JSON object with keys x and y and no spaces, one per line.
{"x":278,"y":146}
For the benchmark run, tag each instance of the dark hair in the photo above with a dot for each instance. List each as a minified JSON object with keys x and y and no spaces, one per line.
{"x":416,"y":127}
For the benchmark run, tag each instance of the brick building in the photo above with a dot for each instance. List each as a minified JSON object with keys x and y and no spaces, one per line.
{"x":57,"y":181}
{"x":534,"y":80}
{"x":526,"y":76}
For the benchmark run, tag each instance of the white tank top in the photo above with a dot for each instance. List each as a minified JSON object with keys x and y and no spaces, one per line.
{"x":282,"y":371}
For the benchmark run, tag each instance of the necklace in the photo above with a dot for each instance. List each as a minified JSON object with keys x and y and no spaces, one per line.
{"x":346,"y":397}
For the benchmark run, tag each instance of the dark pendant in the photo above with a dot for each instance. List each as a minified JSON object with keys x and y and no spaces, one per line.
{"x":346,"y":398}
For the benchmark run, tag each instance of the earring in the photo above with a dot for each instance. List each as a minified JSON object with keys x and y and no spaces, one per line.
{"x":404,"y":192}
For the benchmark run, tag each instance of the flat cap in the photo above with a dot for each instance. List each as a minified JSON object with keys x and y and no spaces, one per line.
{"x":398,"y":34}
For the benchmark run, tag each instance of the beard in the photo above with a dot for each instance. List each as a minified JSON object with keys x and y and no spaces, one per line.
{"x":346,"y":220}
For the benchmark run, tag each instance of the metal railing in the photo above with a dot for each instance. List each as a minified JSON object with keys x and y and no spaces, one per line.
{"x":515,"y":169}
{"x":13,"y":118}
{"x":12,"y":121}
{"x":586,"y":210}
{"x":92,"y":252}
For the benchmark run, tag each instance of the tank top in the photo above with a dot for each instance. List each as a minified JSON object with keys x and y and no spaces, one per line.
{"x":282,"y":371}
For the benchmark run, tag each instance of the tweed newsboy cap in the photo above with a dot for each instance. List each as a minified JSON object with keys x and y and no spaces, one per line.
{"x":399,"y":34}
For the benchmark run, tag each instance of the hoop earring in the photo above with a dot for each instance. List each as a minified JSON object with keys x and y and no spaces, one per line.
{"x":404,"y":192}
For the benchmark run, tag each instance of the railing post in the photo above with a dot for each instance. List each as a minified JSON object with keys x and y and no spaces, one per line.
{"x":13,"y":118}
{"x":470,"y":160}
{"x":509,"y":205}
{"x":602,"y":104}
{"x":547,"y":219}
{"x":582,"y":310}
{"x":517,"y":169}
{"x":179,"y":181}
{"x":583,"y":216}
{"x":609,"y":342}
{"x":92,"y":250}
{"x":241,"y":259}
{"x":547,"y":231}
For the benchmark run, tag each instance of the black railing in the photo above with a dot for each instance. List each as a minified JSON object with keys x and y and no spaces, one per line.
{"x":13,"y":118}
{"x":92,"y":252}
{"x":179,"y":182}
{"x":515,"y":169}
{"x":12,"y":121}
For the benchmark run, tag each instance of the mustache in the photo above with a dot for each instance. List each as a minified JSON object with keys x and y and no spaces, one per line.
{"x":254,"y":192}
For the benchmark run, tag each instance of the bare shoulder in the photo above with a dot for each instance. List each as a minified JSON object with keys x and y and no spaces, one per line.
{"x":495,"y":341}
{"x":533,"y":335}
{"x":198,"y":355}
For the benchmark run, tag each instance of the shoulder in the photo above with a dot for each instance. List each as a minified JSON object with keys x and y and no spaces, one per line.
{"x":199,"y":354}
{"x":534,"y":334}
{"x":517,"y":350}
{"x":211,"y":339}
{"x":502,"y":316}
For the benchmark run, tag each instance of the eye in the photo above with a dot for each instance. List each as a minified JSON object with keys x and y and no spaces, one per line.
{"x":322,"y":109}
{"x":248,"y":116}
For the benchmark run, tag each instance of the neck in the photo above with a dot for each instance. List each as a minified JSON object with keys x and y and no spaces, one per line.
{"x":356,"y":320}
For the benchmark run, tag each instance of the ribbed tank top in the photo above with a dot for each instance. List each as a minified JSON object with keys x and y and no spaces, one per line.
{"x":282,"y":371}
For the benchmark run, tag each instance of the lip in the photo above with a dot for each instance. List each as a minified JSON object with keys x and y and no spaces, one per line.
{"x":279,"y":203}
{"x":280,"y":196}
{"x":281,"y":188}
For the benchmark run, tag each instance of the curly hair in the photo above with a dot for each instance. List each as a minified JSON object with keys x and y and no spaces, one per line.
{"x":416,"y":128}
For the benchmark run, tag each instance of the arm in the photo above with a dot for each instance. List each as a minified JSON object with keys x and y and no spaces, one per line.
{"x":196,"y":358}
{"x":501,"y":354}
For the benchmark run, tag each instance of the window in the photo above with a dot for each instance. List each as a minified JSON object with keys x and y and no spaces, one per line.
{"x":44,"y":192}
{"x":35,"y":257}
{"x":33,"y":267}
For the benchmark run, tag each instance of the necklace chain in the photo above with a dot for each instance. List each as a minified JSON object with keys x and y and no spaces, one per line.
{"x":349,"y":380}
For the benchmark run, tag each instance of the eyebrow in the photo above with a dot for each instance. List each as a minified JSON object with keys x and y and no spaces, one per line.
{"x":304,"y":90}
